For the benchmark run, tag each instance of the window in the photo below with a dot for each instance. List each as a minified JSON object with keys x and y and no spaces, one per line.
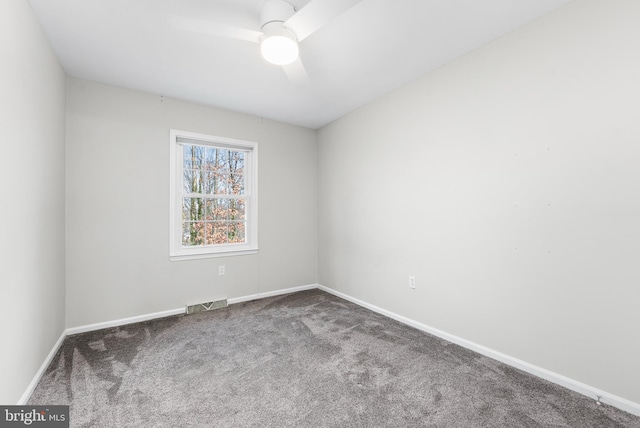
{"x":213,"y":196}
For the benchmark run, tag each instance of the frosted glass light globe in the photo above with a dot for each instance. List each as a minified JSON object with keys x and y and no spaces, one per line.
{"x":279,"y":50}
{"x":279,"y":45}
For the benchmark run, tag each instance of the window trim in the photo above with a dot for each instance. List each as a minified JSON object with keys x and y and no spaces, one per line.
{"x":176,"y":250}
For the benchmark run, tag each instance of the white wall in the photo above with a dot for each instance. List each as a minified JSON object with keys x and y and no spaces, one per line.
{"x":32,"y":190}
{"x":508,"y":183}
{"x":118,"y":199}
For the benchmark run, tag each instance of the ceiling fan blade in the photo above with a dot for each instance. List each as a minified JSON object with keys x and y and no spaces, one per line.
{"x":214,"y":28}
{"x":316,"y":14}
{"x":296,"y":73}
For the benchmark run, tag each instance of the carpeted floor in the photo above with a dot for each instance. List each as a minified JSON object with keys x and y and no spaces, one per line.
{"x":307,"y":359}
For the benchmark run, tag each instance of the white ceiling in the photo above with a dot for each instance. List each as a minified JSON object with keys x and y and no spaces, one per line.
{"x":371,"y":49}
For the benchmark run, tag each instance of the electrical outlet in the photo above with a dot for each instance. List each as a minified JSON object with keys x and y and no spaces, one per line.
{"x":412,"y":282}
{"x":221,"y":270}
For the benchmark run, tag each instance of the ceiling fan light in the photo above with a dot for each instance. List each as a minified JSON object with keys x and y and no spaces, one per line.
{"x":279,"y":50}
{"x":278,"y":46}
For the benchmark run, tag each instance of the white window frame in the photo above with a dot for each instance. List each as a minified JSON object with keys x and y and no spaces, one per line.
{"x":176,"y":250}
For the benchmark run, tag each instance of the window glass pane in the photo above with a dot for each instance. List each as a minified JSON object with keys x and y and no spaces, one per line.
{"x":217,"y":234}
{"x":193,"y":156}
{"x":237,"y":209}
{"x":212,"y":170}
{"x":192,"y":233}
{"x":186,"y":156}
{"x":217,"y":209}
{"x":221,"y":184}
{"x":236,"y":184}
{"x":193,"y":181}
{"x":236,"y":173}
{"x":216,"y":158}
{"x":236,"y":232}
{"x":211,"y":158}
{"x":192,"y":209}
{"x":236,"y":162}
{"x":209,"y":182}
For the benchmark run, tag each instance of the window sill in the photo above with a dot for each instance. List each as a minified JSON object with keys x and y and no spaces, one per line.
{"x":197,"y":256}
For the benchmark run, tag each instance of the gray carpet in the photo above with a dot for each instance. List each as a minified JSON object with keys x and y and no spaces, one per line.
{"x":307,"y":359}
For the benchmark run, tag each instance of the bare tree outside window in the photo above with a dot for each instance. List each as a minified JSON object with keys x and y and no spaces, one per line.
{"x":213,"y":202}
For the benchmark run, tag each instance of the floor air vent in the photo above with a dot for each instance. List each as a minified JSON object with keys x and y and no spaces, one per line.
{"x":206,"y":306}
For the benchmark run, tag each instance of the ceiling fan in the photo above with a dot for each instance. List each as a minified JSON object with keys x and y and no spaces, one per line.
{"x":282,"y":28}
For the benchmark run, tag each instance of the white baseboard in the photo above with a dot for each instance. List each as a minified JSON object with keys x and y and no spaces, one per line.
{"x":171,"y":312}
{"x":574,"y":385}
{"x":266,"y":294}
{"x":131,"y":320}
{"x":32,"y":386}
{"x":123,"y":321}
